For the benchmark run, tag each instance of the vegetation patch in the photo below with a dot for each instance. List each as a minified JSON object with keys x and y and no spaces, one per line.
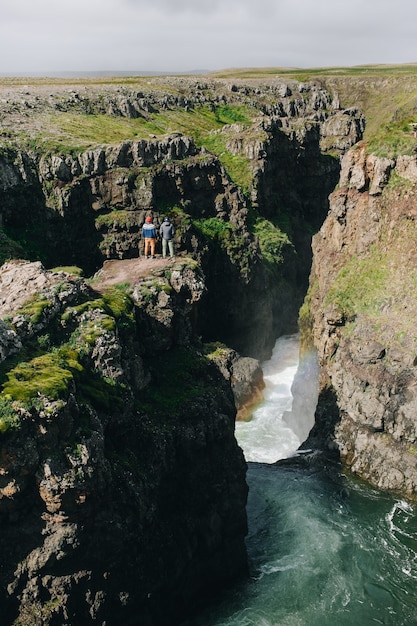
{"x":212,"y":228}
{"x":236,"y":165}
{"x":34,"y":308}
{"x":305,"y":318}
{"x":47,"y":375}
{"x":361,"y":284}
{"x":178,"y":377}
{"x":68,"y":269}
{"x":115,"y":302}
{"x":9,"y":418}
{"x":272,"y":241}
{"x":393,"y":138}
{"x":10,"y":249}
{"x":382,"y":285}
{"x":104,"y":394}
{"x":115,"y":220}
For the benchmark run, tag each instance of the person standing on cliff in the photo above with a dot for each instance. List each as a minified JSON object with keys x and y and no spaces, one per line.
{"x":167,"y":232}
{"x":149,"y":236}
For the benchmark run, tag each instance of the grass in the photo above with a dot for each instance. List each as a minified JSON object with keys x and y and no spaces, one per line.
{"x":224,"y":236}
{"x":72,"y":132}
{"x":272,"y":241}
{"x":177,"y":378}
{"x":212,"y":228}
{"x":393,"y":139}
{"x":47,"y":375}
{"x":10,"y":249}
{"x":68,"y":269}
{"x":387,"y":95}
{"x":382,"y":285}
{"x":236,"y":165}
{"x":115,"y":219}
{"x":361,"y":284}
{"x":9,"y":418}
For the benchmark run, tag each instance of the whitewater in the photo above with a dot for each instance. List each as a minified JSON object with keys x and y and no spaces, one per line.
{"x":324,"y":548}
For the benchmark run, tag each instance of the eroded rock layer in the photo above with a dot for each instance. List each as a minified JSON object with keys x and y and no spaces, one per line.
{"x":122,"y":486}
{"x":123,"y":490}
{"x":362,"y":309}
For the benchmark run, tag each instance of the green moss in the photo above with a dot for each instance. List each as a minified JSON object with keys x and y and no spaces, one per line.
{"x":51,"y":375}
{"x":148,"y":290}
{"x":176,"y":378}
{"x":104,"y":394}
{"x":361,"y":285}
{"x":45,"y":375}
{"x":114,"y":219}
{"x":9,"y":418}
{"x":272,"y":241}
{"x":10,"y":249}
{"x":216,"y":350}
{"x":212,"y":228}
{"x":223,"y":236}
{"x":34,"y":308}
{"x":68,"y":269}
{"x":305,"y":318}
{"x":115,"y":302}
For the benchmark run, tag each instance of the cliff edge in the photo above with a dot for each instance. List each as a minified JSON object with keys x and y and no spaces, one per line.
{"x":361,"y":308}
{"x":122,"y":492}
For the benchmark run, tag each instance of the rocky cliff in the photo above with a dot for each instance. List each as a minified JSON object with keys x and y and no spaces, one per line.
{"x":122,"y":487}
{"x":244,"y":196}
{"x":123,"y":490}
{"x":361,"y":309}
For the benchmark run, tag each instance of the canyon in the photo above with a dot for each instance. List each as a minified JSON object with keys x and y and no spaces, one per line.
{"x":122,"y":377}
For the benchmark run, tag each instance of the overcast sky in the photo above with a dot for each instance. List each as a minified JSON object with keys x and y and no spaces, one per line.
{"x":182,"y":35}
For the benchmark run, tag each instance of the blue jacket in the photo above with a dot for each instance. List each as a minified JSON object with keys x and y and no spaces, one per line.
{"x":149,"y":231}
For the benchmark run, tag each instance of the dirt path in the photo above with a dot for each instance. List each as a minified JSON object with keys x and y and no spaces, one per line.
{"x":127,"y":271}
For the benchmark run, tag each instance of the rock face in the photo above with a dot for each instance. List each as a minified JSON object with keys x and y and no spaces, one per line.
{"x":123,"y":490}
{"x":83,"y":208}
{"x":361,"y":308}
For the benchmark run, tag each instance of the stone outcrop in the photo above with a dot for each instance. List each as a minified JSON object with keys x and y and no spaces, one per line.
{"x":246,"y":379}
{"x":362,"y":309}
{"x":122,"y":492}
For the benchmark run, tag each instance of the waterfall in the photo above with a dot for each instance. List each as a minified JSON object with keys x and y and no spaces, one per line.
{"x":324,"y":549}
{"x":283,"y":420}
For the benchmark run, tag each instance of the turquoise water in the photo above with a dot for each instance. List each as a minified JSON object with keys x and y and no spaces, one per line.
{"x":324,"y":549}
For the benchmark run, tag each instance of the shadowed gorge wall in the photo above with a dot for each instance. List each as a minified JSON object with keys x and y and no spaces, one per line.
{"x":122,"y":486}
{"x":361,"y":310}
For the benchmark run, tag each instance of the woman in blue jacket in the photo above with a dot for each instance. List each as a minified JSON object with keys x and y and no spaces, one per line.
{"x":149,"y":236}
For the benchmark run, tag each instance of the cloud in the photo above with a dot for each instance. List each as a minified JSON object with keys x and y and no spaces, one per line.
{"x":205,"y":7}
{"x":179,"y":35}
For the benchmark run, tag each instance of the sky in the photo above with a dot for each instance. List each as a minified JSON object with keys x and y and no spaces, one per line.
{"x":47,"y":36}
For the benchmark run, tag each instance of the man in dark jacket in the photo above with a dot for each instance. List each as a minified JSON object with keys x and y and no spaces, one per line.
{"x":167,"y":232}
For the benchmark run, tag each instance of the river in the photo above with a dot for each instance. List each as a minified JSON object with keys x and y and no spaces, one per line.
{"x":324,"y":549}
